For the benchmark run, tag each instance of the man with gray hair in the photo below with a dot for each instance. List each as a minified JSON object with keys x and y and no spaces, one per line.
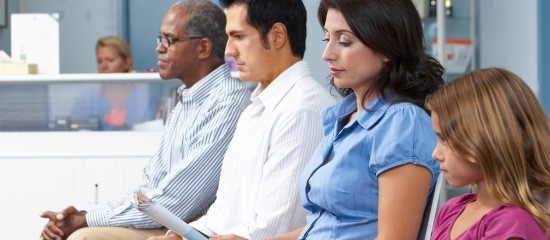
{"x":183,"y":174}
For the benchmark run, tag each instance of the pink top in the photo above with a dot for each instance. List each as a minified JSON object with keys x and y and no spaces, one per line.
{"x":503,"y":222}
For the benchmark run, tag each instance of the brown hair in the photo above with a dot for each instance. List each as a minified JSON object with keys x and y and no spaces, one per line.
{"x":492,"y":118}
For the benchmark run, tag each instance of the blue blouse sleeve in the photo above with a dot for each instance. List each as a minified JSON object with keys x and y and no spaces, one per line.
{"x":403,"y":135}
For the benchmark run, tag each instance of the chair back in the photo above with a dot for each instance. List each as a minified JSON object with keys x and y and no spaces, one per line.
{"x":430,"y":211}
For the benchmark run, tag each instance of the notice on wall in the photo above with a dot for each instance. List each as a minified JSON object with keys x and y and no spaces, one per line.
{"x":35,"y":39}
{"x":458,"y":54}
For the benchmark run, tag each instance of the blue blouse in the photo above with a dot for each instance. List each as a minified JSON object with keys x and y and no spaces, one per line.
{"x":342,"y":194}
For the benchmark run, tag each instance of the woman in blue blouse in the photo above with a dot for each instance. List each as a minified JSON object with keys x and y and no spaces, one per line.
{"x":371,"y":175}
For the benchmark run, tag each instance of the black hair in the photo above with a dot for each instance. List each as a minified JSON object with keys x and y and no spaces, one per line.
{"x":393,"y":29}
{"x":262,"y":14}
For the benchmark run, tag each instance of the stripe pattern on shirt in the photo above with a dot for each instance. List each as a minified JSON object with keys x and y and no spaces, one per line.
{"x":183,"y":174}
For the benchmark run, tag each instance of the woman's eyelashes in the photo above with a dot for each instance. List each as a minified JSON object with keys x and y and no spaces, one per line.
{"x":344,"y":43}
{"x":341,"y":42}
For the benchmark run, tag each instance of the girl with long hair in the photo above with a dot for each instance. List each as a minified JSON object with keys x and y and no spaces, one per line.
{"x":492,"y":133}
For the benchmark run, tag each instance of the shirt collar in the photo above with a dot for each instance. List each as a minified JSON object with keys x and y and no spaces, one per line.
{"x":374,"y":111}
{"x":366,"y":118}
{"x":200,"y":90}
{"x":277,"y":89}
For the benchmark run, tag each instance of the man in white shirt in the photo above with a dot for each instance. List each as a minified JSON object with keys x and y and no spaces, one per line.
{"x":183,"y":174}
{"x":276,"y":135}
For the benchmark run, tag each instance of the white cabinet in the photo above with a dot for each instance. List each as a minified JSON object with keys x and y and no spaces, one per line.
{"x":50,"y":170}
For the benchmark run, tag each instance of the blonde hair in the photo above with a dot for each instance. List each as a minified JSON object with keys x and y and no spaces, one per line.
{"x":119,"y":45}
{"x":492,"y":118}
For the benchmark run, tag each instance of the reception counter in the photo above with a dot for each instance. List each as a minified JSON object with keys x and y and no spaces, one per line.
{"x":47,"y":165}
{"x":83,"y":101}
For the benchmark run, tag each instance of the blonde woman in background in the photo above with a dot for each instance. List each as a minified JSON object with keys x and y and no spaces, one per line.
{"x":115,"y":106}
{"x":492,"y":132}
{"x":113,"y":55}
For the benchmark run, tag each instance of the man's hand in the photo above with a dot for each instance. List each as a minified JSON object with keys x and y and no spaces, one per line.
{"x":62,"y":224}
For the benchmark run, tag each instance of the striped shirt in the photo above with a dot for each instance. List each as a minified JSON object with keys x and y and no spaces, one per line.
{"x":258,"y":195}
{"x":183,"y":174}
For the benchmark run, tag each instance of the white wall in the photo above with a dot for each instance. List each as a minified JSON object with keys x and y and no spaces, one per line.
{"x":508,"y":34}
{"x":42,"y":171}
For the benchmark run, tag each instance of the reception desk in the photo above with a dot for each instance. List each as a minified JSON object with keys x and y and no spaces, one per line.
{"x":44,"y":166}
{"x":82,"y":101}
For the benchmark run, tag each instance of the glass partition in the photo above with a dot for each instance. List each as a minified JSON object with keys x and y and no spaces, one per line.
{"x":86,"y":102}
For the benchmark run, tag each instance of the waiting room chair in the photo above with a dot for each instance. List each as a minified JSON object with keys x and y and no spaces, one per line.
{"x":430,"y":211}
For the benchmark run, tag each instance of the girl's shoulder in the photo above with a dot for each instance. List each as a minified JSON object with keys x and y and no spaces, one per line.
{"x":511,"y":221}
{"x":513,"y":212}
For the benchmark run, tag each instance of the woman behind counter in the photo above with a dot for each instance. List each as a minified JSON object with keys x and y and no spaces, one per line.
{"x":115,"y":106}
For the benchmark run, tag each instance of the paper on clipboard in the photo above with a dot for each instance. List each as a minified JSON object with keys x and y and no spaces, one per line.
{"x":35,"y":39}
{"x":166,"y":218}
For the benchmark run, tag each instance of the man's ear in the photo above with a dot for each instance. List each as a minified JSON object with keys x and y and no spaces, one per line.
{"x":278,"y":35}
{"x":205,"y":48}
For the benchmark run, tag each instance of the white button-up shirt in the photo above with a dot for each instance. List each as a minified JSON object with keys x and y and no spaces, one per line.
{"x":275,"y":137}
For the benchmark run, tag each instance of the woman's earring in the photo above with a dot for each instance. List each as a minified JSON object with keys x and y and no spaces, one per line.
{"x":386,"y":60}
